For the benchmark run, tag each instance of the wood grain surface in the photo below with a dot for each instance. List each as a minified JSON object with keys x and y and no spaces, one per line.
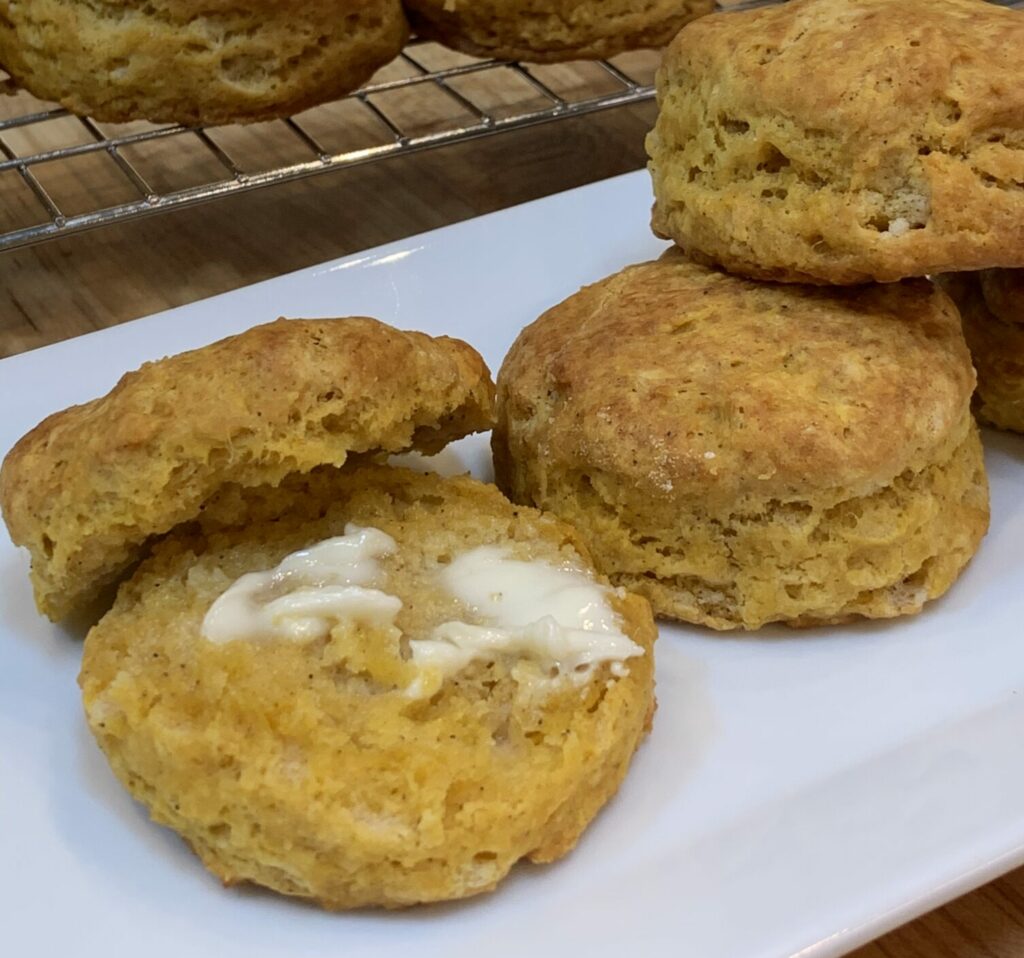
{"x":66,"y":287}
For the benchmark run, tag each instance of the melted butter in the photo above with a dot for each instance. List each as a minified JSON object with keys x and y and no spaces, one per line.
{"x":308,"y":592}
{"x":556,"y":616}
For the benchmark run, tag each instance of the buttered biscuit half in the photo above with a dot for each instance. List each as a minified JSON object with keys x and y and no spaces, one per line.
{"x":386,"y":689}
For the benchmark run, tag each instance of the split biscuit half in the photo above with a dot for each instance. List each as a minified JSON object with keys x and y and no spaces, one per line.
{"x":89,"y":488}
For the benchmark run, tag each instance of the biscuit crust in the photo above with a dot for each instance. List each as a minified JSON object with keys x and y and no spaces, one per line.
{"x":306,"y":768}
{"x":992,"y":306}
{"x":197,"y":61}
{"x":90,"y":486}
{"x":903,"y":156}
{"x":744,"y":453}
{"x":550,"y":31}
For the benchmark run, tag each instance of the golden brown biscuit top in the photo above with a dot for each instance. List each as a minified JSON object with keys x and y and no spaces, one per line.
{"x":196,"y":61}
{"x":262,"y":387}
{"x":87,"y":486}
{"x":689,"y":381}
{"x":869,"y":67}
{"x":1003,"y":290}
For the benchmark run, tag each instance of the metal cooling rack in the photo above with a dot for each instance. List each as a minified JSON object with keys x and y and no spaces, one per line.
{"x":61,"y":174}
{"x":127,"y":169}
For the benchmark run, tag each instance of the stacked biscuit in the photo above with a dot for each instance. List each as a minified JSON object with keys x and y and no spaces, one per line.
{"x":337,"y":678}
{"x":228,"y":61}
{"x":743,"y":447}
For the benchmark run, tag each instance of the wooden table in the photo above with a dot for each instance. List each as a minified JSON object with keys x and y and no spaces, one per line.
{"x":71,"y":286}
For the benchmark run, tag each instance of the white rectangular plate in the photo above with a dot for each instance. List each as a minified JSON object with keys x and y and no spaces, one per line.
{"x":801,"y":792}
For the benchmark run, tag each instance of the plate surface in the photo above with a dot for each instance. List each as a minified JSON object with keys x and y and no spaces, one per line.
{"x":800,"y":793}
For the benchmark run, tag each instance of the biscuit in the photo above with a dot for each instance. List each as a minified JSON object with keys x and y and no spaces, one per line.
{"x":89,"y":487}
{"x":185,"y":61}
{"x":842,"y":141}
{"x":308,"y":768}
{"x":549,"y":31}
{"x":743,"y":453}
{"x":992,"y":306}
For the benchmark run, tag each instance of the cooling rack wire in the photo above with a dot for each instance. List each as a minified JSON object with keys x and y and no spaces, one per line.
{"x":60,"y":173}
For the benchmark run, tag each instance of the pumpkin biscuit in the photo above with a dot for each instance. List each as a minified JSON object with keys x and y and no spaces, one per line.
{"x":307,"y":766}
{"x":196,"y":61}
{"x":843,"y":141}
{"x":89,"y":487}
{"x":550,"y":31}
{"x":743,"y":453}
{"x":992,"y":306}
